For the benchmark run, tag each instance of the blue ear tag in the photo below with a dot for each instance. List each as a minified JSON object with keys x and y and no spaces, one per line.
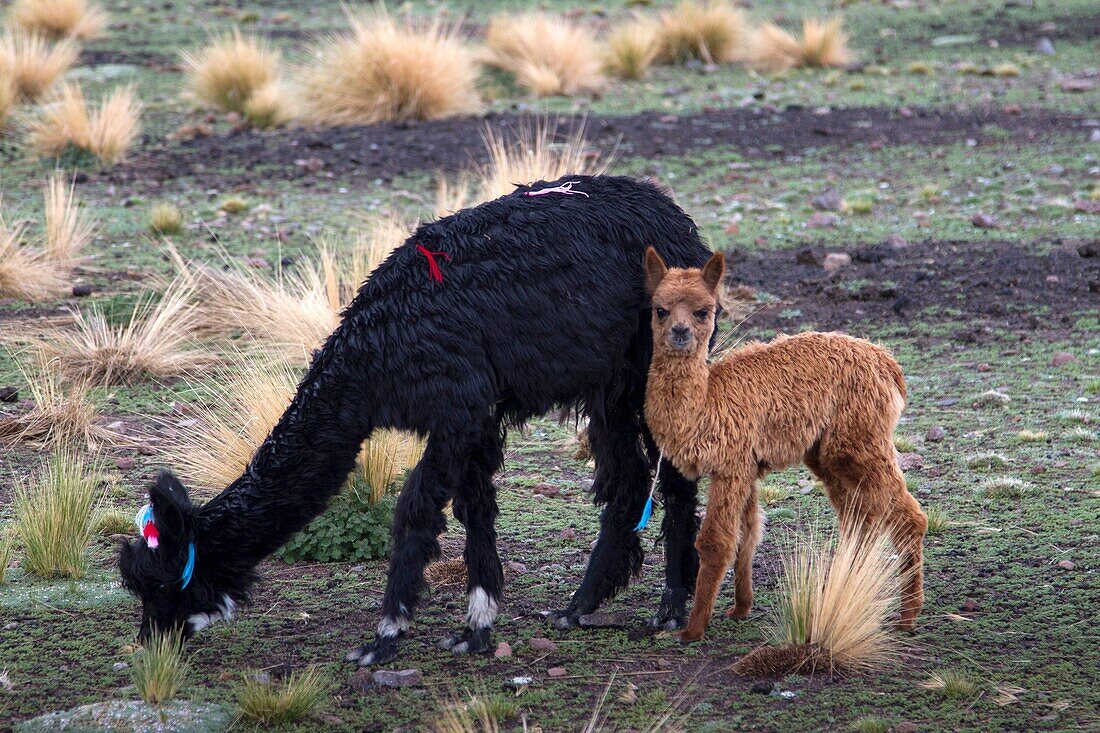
{"x":189,"y":568}
{"x":647,"y":511}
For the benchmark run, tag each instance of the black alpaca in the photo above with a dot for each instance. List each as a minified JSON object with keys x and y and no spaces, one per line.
{"x":480,"y":320}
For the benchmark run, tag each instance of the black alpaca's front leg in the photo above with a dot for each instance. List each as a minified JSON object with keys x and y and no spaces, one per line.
{"x":475,"y":506}
{"x":681,"y":558}
{"x":622,"y":483}
{"x":417,"y":523}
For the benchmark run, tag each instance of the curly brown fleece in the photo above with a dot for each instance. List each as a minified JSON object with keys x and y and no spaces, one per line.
{"x":823,"y":399}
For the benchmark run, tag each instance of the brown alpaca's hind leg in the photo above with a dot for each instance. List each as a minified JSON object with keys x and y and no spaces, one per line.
{"x":907,"y":525}
{"x":752,"y":529}
{"x":717,"y":544}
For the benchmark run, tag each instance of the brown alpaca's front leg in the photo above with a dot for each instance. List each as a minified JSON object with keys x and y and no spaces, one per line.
{"x":717,"y":544}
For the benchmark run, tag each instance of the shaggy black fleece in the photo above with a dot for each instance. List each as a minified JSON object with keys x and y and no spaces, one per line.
{"x":540,"y":305}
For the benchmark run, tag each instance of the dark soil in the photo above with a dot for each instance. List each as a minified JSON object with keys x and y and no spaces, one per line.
{"x":391,"y":149}
{"x":981,"y":287}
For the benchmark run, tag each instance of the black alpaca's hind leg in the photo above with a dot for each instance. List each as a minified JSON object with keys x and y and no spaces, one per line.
{"x":622,"y":483}
{"x":475,"y":505}
{"x":417,"y":523}
{"x":681,"y":558}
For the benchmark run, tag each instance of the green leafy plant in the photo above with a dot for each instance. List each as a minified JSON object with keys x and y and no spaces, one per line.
{"x":353,"y":529}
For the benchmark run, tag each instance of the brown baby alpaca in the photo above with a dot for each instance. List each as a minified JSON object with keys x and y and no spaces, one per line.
{"x":824,"y":399}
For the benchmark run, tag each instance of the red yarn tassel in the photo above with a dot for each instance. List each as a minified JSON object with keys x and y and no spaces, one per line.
{"x":434,"y":273}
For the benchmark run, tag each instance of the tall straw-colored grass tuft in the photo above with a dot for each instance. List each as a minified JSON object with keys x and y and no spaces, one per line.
{"x":268,"y":704}
{"x":9,"y":98}
{"x":712,"y":31}
{"x":68,"y":229}
{"x":270,"y":106}
{"x":632,"y":49}
{"x":230,"y":69}
{"x":834,"y":608}
{"x":390,"y":69}
{"x":159,"y":668}
{"x":58,"y":19}
{"x":33,"y":63}
{"x":823,"y":44}
{"x":63,"y":414}
{"x":548,"y":54}
{"x":25,"y":272}
{"x":534,"y":153}
{"x":105,"y":132}
{"x":7,"y":551}
{"x":157,"y":341}
{"x":165,"y":219}
{"x":53,"y":516}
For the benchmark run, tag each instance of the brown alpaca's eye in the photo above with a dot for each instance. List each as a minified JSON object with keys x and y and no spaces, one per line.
{"x":702,"y":314}
{"x":662,"y":314}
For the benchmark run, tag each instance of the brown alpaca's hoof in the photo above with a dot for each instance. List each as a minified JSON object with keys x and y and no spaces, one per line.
{"x":689,"y":635}
{"x":905,"y":624}
{"x":737,"y":613}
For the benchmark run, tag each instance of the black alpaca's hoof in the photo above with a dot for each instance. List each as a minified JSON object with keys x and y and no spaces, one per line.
{"x":671,"y":614}
{"x":470,"y":641}
{"x":380,"y":651}
{"x":565,"y":620}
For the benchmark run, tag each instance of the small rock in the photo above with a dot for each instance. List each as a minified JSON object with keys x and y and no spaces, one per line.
{"x":516,"y":567}
{"x":1067,"y":565}
{"x":1094,"y":136}
{"x":1045,"y":47}
{"x":1062,"y":358}
{"x":807,"y":256}
{"x":9,"y":394}
{"x":568,"y":533}
{"x":258,"y":262}
{"x":896,"y":241}
{"x":763,"y":687}
{"x":1089,"y":249}
{"x":821,"y":220}
{"x":403,"y":678}
{"x":518,"y":683}
{"x":983,"y":367}
{"x":970,"y":606}
{"x":119,"y":666}
{"x":82,"y":290}
{"x":906,"y":728}
{"x":984,"y":221}
{"x":547,"y":489}
{"x":540,"y":644}
{"x":1086,"y":207}
{"x":1077,"y":85}
{"x":935,"y":435}
{"x":504,"y":649}
{"x":556,"y":672}
{"x":362,"y":681}
{"x":604,"y":620}
{"x":125,"y":463}
{"x":836,"y":261}
{"x":12,"y":625}
{"x":1038,"y":469}
{"x":910,"y":462}
{"x":146,"y":450}
{"x":828,"y":201}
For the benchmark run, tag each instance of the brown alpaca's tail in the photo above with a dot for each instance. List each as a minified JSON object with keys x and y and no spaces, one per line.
{"x":893,"y":370}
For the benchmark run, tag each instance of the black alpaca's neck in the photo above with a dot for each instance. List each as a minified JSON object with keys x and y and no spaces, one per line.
{"x":301,"y":465}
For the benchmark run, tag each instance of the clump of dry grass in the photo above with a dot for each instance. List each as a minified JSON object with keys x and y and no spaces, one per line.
{"x":548,"y":54}
{"x":53,"y":516}
{"x":25,"y":272}
{"x":952,"y":683}
{"x":632,"y":49}
{"x":269,"y":107}
{"x":296,"y":698}
{"x":156,"y":342}
{"x":165,"y":219}
{"x":9,"y":97}
{"x":68,"y":229}
{"x":33,"y":63}
{"x":390,"y":70}
{"x":532,"y":154}
{"x":63,"y":414}
{"x":7,"y":551}
{"x":834,"y":608}
{"x":159,"y":668}
{"x":105,"y":132}
{"x":230,"y":69}
{"x":822,"y":44}
{"x":711,"y":31}
{"x":59,"y":18}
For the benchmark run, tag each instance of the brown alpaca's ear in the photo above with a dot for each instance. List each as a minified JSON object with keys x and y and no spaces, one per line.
{"x":713,"y":271}
{"x":655,"y":270}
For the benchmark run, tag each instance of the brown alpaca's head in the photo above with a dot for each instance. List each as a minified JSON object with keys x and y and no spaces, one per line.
{"x":684,"y":304}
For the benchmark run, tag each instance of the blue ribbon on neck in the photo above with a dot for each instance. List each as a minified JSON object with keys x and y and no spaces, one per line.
{"x":189,"y":568}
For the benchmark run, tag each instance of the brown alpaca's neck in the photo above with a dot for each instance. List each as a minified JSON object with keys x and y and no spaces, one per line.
{"x":676,"y":399}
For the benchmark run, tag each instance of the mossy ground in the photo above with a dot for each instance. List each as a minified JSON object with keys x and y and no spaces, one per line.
{"x":999,"y":607}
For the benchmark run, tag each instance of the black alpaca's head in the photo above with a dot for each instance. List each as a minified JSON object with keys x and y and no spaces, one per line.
{"x":161,"y":569}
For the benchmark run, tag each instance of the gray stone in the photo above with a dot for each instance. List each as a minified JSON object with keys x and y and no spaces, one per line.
{"x":1045,"y":47}
{"x":828,"y":201}
{"x":402,"y":678}
{"x":836,"y":261}
{"x":130,"y":716}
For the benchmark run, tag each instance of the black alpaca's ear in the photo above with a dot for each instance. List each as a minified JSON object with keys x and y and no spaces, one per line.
{"x":655,"y":270}
{"x":713,"y":271}
{"x":171,"y":506}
